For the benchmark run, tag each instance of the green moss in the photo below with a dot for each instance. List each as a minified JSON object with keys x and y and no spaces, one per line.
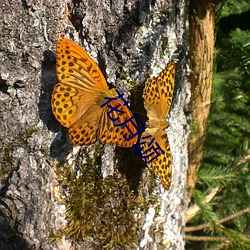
{"x":5,"y":161}
{"x":123,"y":76}
{"x":164,"y":45}
{"x":28,"y":133}
{"x":164,"y":10}
{"x":105,"y":212}
{"x":19,"y":140}
{"x":129,"y":82}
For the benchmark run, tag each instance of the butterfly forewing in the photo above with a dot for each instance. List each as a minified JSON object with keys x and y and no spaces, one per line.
{"x":62,"y":104}
{"x":158,"y":92}
{"x":76,"y":69}
{"x":70,"y":104}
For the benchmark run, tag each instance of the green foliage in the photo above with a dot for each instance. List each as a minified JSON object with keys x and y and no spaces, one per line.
{"x":207,"y":211}
{"x":226,"y":153}
{"x":230,"y":7}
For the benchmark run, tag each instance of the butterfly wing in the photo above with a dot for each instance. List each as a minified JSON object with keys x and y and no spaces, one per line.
{"x":75,"y":68}
{"x":162,"y":164}
{"x":113,"y":132}
{"x":80,"y":83}
{"x":96,"y":125}
{"x":85,"y":130}
{"x":69,"y":104}
{"x":158,"y":93}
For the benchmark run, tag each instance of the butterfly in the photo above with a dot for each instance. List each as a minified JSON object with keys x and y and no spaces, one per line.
{"x":78,"y":96}
{"x":157,"y":94}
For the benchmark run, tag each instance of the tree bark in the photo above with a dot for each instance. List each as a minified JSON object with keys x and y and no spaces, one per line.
{"x":201,"y":41}
{"x":41,"y":171}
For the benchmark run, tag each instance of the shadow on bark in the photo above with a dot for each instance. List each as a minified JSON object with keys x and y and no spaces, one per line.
{"x":61,"y":145}
{"x":9,"y":239}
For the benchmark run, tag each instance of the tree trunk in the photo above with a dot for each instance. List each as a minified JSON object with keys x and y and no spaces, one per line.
{"x":54,"y":196}
{"x":201,"y":40}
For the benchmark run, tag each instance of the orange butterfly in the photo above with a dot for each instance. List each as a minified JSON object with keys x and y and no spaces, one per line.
{"x":78,"y":95}
{"x":158,"y":93}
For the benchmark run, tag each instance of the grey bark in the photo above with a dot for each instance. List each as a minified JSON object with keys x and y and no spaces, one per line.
{"x":123,"y":36}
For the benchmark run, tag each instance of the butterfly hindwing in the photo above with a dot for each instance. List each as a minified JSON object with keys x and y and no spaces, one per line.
{"x":83,"y":134}
{"x":113,"y":131}
{"x":162,"y":164}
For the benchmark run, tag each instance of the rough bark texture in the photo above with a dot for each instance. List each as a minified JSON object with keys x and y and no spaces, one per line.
{"x":123,"y":36}
{"x":201,"y":40}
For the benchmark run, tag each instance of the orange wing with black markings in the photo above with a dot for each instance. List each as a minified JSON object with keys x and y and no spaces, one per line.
{"x":77,"y":98}
{"x":158,"y":93}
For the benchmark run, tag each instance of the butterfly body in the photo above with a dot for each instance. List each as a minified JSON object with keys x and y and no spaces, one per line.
{"x":157,"y":96}
{"x":111,"y":93}
{"x":157,"y":124}
{"x":78,"y":96}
